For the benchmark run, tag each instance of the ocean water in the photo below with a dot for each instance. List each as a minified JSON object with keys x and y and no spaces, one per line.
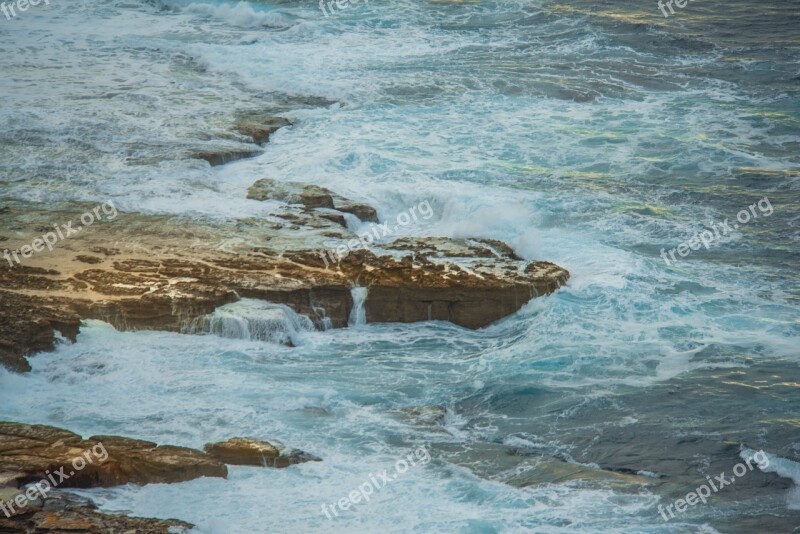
{"x":597,"y":135}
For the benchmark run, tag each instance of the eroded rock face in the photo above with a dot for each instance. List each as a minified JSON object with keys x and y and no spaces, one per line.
{"x":167,"y":273}
{"x":29,"y":453}
{"x":249,"y":451}
{"x":29,"y":325}
{"x":364,"y":212}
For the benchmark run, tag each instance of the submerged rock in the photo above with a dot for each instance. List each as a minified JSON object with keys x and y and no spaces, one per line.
{"x":249,"y":451}
{"x":222,"y":156}
{"x":428,"y":415}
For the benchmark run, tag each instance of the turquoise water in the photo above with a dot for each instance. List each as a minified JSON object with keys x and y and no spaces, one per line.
{"x":589,"y":134}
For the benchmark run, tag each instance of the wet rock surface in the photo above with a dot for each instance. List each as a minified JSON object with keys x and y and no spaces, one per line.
{"x":29,"y":325}
{"x":61,"y":512}
{"x":221,"y":156}
{"x":165,"y":273}
{"x":255,"y":127}
{"x":32,"y":453}
{"x":29,"y":452}
{"x":259,"y":126}
{"x":250,"y":451}
{"x":622,"y":440}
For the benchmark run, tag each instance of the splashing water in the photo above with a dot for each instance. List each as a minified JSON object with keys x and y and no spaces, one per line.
{"x":257,"y":320}
{"x":358,"y":315}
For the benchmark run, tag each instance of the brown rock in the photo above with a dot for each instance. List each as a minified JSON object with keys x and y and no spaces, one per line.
{"x":314,"y":196}
{"x":30,"y":451}
{"x":94,"y":260}
{"x":170,"y":272}
{"x":29,"y":325}
{"x":222,"y":156}
{"x":249,"y":451}
{"x":242,"y":451}
{"x":260,"y":126}
{"x":334,"y":217}
{"x":61,"y":512}
{"x":364,"y":212}
{"x":310,"y":196}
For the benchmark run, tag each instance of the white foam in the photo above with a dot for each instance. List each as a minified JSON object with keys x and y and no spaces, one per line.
{"x":257,"y":320}
{"x":782,"y":467}
{"x":240,"y":15}
{"x":358,"y":315}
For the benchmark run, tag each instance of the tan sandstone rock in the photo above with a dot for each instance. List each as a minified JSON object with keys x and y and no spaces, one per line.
{"x":29,"y":452}
{"x":249,"y":451}
{"x":169,"y":273}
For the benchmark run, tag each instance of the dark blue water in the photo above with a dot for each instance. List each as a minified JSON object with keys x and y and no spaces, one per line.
{"x":598,"y":135}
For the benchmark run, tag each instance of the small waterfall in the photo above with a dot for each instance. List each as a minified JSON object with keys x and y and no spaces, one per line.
{"x":325,"y":323}
{"x":257,"y":320}
{"x":358,"y":315}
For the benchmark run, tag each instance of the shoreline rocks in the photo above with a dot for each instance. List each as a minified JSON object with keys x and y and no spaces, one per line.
{"x":62,"y":512}
{"x":157,"y":272}
{"x":30,"y":454}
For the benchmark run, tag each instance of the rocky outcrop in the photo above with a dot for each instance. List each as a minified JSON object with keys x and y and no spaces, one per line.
{"x":364,"y":212}
{"x":28,"y":453}
{"x":167,"y":273}
{"x":60,"y":513}
{"x":310,"y":196}
{"x":29,"y":325}
{"x":259,"y":126}
{"x":249,"y":451}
